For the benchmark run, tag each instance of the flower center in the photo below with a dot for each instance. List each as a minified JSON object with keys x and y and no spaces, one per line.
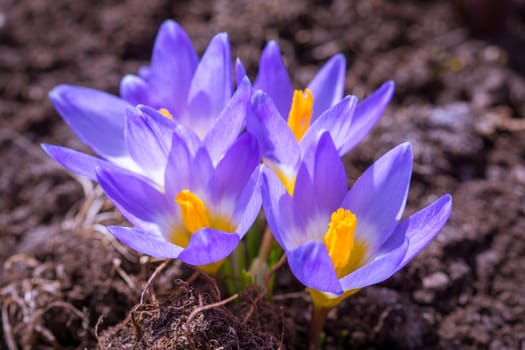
{"x":194,"y":213}
{"x":196,"y":216}
{"x":301,"y":112}
{"x":166,"y":113}
{"x":346,"y":254}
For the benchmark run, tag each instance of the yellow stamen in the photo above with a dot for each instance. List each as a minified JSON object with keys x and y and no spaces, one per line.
{"x":300,"y":112}
{"x":195,"y":216}
{"x":194,"y":212}
{"x":345,"y":252}
{"x":166,"y":113}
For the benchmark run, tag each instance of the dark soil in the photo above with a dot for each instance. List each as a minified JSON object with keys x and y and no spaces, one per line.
{"x":460,"y":99}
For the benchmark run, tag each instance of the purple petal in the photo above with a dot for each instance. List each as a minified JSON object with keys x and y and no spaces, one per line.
{"x":148,"y":142}
{"x":313,"y":267}
{"x":378,"y":270}
{"x":95,"y":116}
{"x":280,"y":211}
{"x":421,"y":228}
{"x":173,"y":64}
{"x":338,"y":121}
{"x":211,"y":87}
{"x":192,"y":140}
{"x":304,"y":195}
{"x":135,"y":90}
{"x":368,"y":113}
{"x":229,"y":123}
{"x":207,"y":246}
{"x":77,"y":162}
{"x":328,"y":85}
{"x":273,"y":78}
{"x":145,"y":242}
{"x":133,"y":195}
{"x":235,"y":169}
{"x":202,"y":180}
{"x":378,"y":197}
{"x":249,"y":203}
{"x":178,"y":168}
{"x":240,"y":72}
{"x":321,"y":183}
{"x":278,"y":144}
{"x":329,"y":176}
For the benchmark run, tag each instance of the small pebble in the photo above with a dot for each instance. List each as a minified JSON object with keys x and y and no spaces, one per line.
{"x":436,"y":281}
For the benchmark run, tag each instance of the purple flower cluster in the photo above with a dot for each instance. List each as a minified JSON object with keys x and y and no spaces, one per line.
{"x":190,"y":161}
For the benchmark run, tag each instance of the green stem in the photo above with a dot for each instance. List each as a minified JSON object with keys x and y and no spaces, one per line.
{"x":259,"y":265}
{"x":319,"y":315}
{"x":266,"y":245}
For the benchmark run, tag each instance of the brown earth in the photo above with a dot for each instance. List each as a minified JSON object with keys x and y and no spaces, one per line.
{"x":460,"y":100}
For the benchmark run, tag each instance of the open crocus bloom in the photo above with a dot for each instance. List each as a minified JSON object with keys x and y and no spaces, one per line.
{"x":338,"y":241}
{"x":293,"y":119}
{"x":146,"y":137}
{"x":195,"y":94}
{"x":203,"y":210}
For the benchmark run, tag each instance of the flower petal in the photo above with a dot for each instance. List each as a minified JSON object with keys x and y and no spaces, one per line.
{"x":368,"y":113}
{"x":338,"y":121}
{"x":211,"y":87}
{"x":320,"y":190}
{"x":304,"y":195}
{"x":95,"y":116}
{"x":328,"y":85}
{"x":249,"y":203}
{"x":278,"y":144}
{"x":313,"y":267}
{"x":229,"y":123}
{"x":240,"y":72}
{"x":378,"y":270}
{"x":77,"y":162}
{"x":235,"y":169}
{"x":192,"y":140}
{"x":145,"y":242}
{"x":378,"y":197}
{"x":133,"y":195}
{"x":421,"y":228}
{"x":280,"y":212}
{"x":208,"y":245}
{"x":178,"y":168}
{"x":329,"y":176}
{"x":135,"y":90}
{"x":173,"y":64}
{"x":273,"y":78}
{"x":148,"y":143}
{"x":202,"y":181}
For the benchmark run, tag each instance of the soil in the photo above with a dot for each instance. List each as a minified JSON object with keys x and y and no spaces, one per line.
{"x":460,"y":99}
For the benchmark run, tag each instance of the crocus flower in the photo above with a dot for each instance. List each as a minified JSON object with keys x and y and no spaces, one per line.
{"x":283,"y":117}
{"x":338,"y":240}
{"x":194,"y":94}
{"x":203,"y":210}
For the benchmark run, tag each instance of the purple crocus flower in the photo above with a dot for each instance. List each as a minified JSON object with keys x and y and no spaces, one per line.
{"x":338,"y":240}
{"x":197,"y":95}
{"x":201,"y":212}
{"x":284,"y":117}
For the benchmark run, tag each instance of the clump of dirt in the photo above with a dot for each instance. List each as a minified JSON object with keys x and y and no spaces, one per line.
{"x":62,"y":280}
{"x":189,"y":319}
